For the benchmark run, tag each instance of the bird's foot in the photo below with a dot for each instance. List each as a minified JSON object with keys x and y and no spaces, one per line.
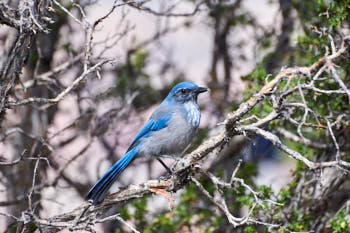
{"x":166,"y":176}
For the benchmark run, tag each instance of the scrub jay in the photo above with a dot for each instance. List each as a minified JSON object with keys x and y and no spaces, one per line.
{"x":168,"y":132}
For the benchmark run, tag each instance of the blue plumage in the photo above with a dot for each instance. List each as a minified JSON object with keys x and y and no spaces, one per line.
{"x":99,"y":190}
{"x":168,"y":132}
{"x":149,"y":127}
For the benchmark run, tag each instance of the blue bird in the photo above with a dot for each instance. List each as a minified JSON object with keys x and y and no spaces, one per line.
{"x":168,"y":132}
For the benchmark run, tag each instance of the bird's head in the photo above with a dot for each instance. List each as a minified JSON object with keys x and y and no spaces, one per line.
{"x":184,"y":92}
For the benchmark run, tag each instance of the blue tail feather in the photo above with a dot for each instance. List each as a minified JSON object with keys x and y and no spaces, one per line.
{"x":98,"y":192}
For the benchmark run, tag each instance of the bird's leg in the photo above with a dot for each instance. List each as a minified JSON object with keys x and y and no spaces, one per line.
{"x":170,"y":172}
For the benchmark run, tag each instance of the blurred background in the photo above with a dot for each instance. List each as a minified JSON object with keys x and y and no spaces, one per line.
{"x":232,"y":47}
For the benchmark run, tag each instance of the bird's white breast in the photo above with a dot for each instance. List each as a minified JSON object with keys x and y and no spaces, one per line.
{"x":193,"y":113}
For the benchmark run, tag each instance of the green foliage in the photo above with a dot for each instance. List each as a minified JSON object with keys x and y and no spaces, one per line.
{"x":163,"y":223}
{"x":339,"y":223}
{"x":284,"y":195}
{"x":138,"y":59}
{"x":339,"y":11}
{"x":255,"y":81}
{"x":140,"y":212}
{"x":347,"y":156}
{"x":244,"y":200}
{"x":323,"y":13}
{"x":247,"y":171}
{"x":302,"y":149}
{"x":192,"y":210}
{"x":249,"y":229}
{"x":261,"y":110}
{"x":33,"y":57}
{"x":265,"y":191}
{"x":124,"y":214}
{"x":31,"y":228}
{"x":297,"y":224}
{"x":259,"y":73}
{"x":183,"y":216}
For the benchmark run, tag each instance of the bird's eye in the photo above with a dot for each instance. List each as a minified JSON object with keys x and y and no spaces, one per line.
{"x":182,"y":91}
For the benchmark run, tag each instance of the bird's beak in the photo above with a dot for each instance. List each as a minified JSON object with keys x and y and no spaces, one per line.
{"x":199,"y":90}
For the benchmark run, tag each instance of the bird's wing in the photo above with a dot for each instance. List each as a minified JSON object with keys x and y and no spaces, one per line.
{"x":158,"y":121}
